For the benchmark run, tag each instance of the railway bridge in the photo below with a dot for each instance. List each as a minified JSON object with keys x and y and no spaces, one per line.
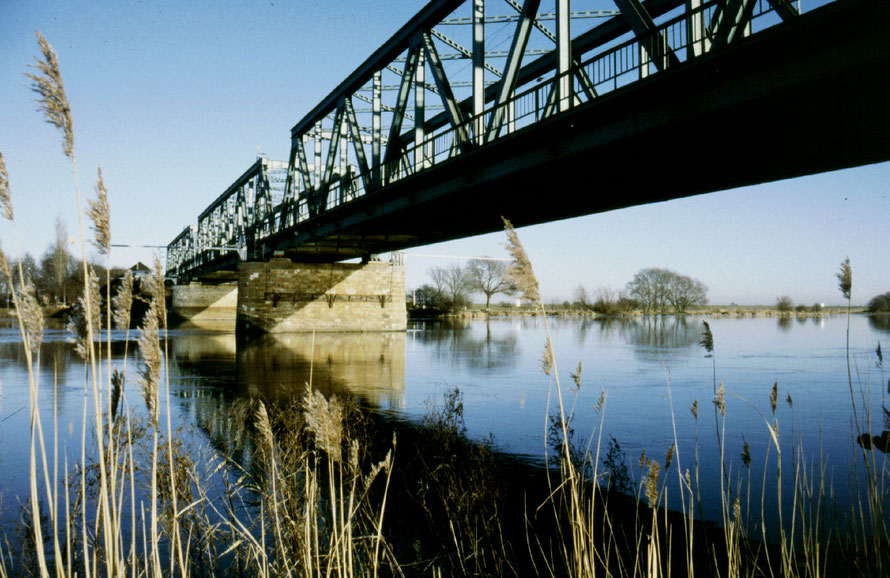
{"x":534,"y":111}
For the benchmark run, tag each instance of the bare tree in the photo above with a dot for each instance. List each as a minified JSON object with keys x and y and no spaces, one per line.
{"x":649,"y":287}
{"x":489,"y":278}
{"x":60,"y":260}
{"x":657,"y":290}
{"x":582,"y":299}
{"x":452,"y":285}
{"x":684,"y":292}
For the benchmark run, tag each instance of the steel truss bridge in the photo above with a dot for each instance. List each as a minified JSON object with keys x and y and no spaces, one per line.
{"x":476,"y":109}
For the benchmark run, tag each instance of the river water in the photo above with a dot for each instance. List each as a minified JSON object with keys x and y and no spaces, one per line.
{"x":651,"y":371}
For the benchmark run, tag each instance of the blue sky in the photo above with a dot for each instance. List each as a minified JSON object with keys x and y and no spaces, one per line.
{"x":173,"y":99}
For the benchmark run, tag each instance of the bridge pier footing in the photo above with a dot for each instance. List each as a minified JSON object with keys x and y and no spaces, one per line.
{"x":205,"y":306}
{"x":280,"y":296}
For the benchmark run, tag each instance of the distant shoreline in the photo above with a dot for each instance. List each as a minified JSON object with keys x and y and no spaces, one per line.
{"x":731,"y":311}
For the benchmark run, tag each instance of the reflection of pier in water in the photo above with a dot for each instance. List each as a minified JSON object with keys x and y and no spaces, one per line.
{"x":370,"y":365}
{"x":210,"y":371}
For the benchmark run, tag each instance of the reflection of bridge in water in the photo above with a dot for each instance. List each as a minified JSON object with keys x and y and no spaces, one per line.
{"x":370,"y":365}
{"x":210,"y":371}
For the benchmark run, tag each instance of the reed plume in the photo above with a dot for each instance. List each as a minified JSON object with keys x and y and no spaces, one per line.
{"x":31,"y":316}
{"x":547,"y":358}
{"x":720,"y":400}
{"x":652,"y":482}
{"x":576,"y":376}
{"x":53,"y":102}
{"x":154,"y":284}
{"x":97,"y":211}
{"x":122,"y":303}
{"x":520,"y":272}
{"x":707,"y":339}
{"x":263,"y":427}
{"x":324,"y":418}
{"x":85,"y":322}
{"x":845,"y":278}
{"x":117,"y":389}
{"x":5,"y":191}
{"x":150,"y":375}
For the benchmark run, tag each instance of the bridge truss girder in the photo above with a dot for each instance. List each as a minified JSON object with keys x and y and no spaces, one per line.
{"x":446,"y":108}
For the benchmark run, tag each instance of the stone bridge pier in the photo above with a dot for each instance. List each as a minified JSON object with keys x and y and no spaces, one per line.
{"x":280,"y":296}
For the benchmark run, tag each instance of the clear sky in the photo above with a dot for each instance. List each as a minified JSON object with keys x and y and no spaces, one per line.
{"x":173,"y":99}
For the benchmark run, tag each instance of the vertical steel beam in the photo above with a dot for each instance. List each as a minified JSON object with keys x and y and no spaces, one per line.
{"x":478,"y":70}
{"x":419,"y":117}
{"x":360,"y":157}
{"x":514,"y":62}
{"x":321,"y":196}
{"x":695,"y":29}
{"x":343,"y":187}
{"x":376,"y":135}
{"x":317,"y":162}
{"x":563,"y":54}
{"x":308,"y":185}
{"x":290,"y":185}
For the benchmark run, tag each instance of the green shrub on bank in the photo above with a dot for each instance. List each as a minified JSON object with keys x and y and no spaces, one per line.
{"x":880,"y":303}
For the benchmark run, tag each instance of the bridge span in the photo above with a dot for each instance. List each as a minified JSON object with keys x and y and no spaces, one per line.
{"x":436,"y":135}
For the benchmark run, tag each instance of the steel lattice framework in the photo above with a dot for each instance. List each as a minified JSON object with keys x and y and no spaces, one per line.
{"x":461,"y":76}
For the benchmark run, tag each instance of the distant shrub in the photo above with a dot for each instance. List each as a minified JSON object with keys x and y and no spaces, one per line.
{"x":801,"y":308}
{"x":628,"y":304}
{"x":784,"y":303}
{"x":606,"y":307}
{"x":880,"y":304}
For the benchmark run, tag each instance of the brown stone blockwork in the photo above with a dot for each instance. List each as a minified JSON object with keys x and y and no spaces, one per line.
{"x":285,"y":297}
{"x":204,"y":306}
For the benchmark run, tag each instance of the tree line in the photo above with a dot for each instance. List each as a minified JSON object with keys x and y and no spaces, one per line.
{"x":57,"y":276}
{"x":452,"y":286}
{"x":652,"y":290}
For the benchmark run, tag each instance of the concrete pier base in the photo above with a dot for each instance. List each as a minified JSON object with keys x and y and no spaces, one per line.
{"x":205,"y":306}
{"x":280,"y":296}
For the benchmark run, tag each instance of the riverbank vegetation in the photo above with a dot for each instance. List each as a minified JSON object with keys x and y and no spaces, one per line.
{"x":317,"y":485}
{"x":880,"y":303}
{"x":570,"y":309}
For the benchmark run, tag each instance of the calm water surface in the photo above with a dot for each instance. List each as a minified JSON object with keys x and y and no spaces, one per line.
{"x":650,"y":369}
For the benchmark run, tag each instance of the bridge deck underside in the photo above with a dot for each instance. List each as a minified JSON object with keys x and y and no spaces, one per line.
{"x":799,"y":99}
